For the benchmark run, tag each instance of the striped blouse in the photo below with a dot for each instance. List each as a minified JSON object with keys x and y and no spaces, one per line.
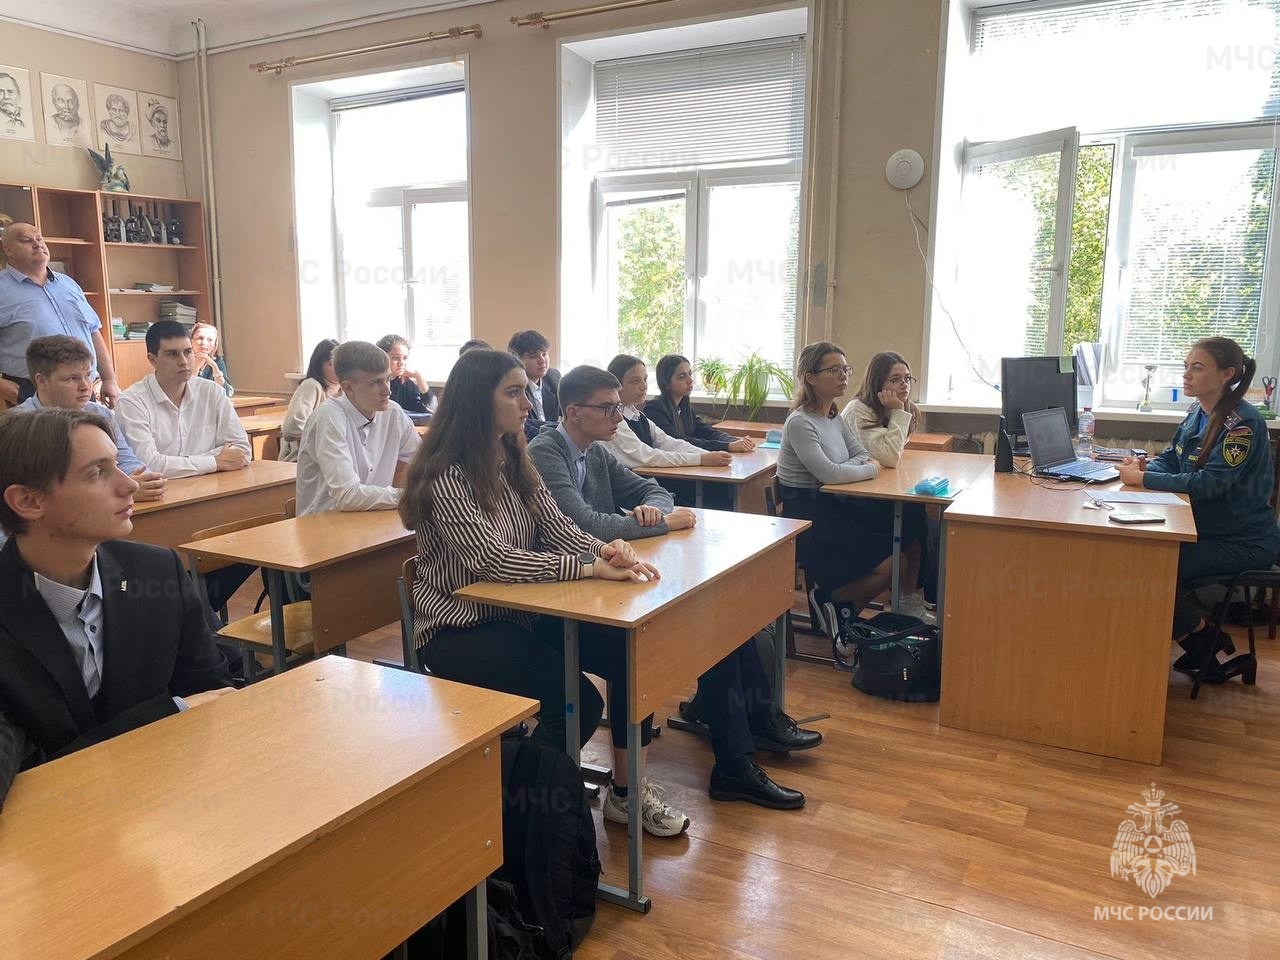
{"x":461,"y":544}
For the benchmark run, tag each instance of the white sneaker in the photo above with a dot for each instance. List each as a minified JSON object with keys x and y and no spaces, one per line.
{"x":656,"y":816}
{"x":913,"y":606}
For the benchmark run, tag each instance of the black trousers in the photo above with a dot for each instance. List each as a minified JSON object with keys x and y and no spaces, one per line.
{"x":735,"y":693}
{"x":501,"y":655}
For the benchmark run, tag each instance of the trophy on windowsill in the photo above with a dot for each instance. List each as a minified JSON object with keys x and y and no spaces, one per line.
{"x":1145,"y":405}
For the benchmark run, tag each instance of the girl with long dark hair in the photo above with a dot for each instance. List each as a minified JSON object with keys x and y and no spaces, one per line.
{"x":881,"y":413}
{"x":320,"y":384}
{"x":1221,"y":457}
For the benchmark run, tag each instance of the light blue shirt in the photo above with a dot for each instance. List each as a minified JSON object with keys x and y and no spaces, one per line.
{"x":126,"y":459}
{"x":80,"y":615}
{"x":29,"y":311}
{"x":579,"y":457}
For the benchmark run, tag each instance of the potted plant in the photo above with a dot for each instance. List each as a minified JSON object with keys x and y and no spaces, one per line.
{"x":746,"y":385}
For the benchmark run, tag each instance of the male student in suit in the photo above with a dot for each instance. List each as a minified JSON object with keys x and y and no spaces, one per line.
{"x":533,"y":350}
{"x":98,"y":635}
{"x":591,"y":488}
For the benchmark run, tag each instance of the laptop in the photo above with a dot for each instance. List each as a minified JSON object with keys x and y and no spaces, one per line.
{"x":1053,"y":454}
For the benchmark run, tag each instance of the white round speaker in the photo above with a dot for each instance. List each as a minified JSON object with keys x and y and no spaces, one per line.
{"x":904,"y":169}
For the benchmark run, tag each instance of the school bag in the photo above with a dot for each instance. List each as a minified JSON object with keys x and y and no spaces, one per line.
{"x":895,"y":656}
{"x":549,"y":843}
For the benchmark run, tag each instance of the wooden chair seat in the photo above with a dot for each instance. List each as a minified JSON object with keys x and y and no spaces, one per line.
{"x":255,"y":630}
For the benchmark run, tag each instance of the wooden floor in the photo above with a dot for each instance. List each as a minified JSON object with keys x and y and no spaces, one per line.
{"x":925,"y":842}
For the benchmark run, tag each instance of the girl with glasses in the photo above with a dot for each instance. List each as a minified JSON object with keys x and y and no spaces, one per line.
{"x":881,"y":414}
{"x":848,"y":552}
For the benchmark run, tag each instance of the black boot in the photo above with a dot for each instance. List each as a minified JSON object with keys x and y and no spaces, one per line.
{"x":1195,"y":645}
{"x":754,"y":786}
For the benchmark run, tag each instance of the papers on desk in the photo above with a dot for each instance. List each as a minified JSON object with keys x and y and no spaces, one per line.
{"x":1129,"y":496}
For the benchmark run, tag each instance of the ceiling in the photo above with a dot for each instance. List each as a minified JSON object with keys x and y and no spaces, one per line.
{"x":164,"y":26}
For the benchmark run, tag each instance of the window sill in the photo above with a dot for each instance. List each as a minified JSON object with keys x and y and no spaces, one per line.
{"x":1112,"y":414}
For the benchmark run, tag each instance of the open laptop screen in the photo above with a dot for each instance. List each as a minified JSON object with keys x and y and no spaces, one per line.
{"x":1048,"y":437}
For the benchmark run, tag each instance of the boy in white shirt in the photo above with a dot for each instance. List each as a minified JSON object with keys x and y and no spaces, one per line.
{"x":180,"y":426}
{"x":356,"y":447}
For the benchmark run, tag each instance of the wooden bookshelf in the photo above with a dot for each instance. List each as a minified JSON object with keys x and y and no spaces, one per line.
{"x":72,"y":224}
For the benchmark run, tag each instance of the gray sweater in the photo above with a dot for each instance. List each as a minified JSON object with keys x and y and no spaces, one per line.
{"x":817,"y":450}
{"x":608,"y":488}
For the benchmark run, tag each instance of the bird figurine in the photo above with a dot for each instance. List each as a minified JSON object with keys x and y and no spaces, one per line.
{"x":113,"y":175}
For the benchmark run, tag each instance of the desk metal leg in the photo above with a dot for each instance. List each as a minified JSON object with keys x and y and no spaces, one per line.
{"x":697,"y":494}
{"x":572,"y":726}
{"x":895,"y":598}
{"x":633,"y":897}
{"x":275,"y":591}
{"x":780,"y":662}
{"x":733,"y":497}
{"x":477,"y":922}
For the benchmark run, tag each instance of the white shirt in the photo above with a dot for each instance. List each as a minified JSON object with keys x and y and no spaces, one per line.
{"x":79,"y":614}
{"x":535,"y":397}
{"x":348,"y":462}
{"x":180,"y":441}
{"x":667,"y":451}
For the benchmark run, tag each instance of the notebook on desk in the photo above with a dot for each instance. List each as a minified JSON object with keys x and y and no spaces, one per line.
{"x":1053,"y":454}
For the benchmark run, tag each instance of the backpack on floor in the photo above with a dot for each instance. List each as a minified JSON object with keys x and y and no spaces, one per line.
{"x":549,"y":843}
{"x":510,"y":937}
{"x":895,"y":656}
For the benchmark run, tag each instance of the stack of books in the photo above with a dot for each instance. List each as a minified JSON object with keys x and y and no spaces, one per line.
{"x":147,"y":285}
{"x":174,"y":310}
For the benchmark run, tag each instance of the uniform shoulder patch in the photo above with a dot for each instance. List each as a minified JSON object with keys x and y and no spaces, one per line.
{"x":1235,"y":446}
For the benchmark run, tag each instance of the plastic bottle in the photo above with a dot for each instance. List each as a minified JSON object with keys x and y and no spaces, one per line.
{"x":1084,"y":443}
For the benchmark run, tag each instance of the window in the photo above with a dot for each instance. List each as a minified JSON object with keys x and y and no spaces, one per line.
{"x":401,"y":200}
{"x":694,"y":238}
{"x":1143,"y":225}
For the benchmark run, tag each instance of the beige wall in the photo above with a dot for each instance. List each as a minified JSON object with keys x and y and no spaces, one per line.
{"x":39,"y":50}
{"x":890,"y":72}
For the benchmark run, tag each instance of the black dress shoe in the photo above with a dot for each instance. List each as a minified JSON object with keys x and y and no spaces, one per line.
{"x":779,"y":734}
{"x":1195,"y":643}
{"x":754,"y":786}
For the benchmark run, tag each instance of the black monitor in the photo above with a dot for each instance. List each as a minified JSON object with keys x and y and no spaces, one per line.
{"x":1036,"y":383}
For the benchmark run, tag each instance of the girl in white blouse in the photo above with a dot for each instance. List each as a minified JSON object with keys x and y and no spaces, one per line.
{"x":881,"y":414}
{"x":320,"y":384}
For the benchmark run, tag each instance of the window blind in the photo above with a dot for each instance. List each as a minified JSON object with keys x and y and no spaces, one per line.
{"x":1123,"y":64}
{"x":739,"y":102}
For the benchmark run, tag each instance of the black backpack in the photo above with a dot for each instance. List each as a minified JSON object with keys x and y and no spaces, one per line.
{"x":895,"y":656}
{"x":549,"y":843}
{"x":510,"y":938}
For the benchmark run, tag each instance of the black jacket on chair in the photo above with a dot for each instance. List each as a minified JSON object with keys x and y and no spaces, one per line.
{"x":550,"y":403}
{"x":157,"y":645}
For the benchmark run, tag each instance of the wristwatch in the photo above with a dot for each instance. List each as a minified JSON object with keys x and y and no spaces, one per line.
{"x":587,"y":560}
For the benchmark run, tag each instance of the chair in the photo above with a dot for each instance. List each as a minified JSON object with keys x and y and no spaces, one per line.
{"x":1245,"y":665}
{"x":408,"y":654}
{"x":252,"y":634}
{"x":773,"y":508}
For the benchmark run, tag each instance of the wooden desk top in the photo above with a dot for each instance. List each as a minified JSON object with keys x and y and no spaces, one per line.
{"x":262,"y":422}
{"x":930,"y":441}
{"x":306,"y":543}
{"x":747,"y":428}
{"x":688,"y":560}
{"x":962,"y":469}
{"x":242,"y":400}
{"x":211,"y":486}
{"x":744,"y":468}
{"x":112,"y":844}
{"x":1011,"y":499}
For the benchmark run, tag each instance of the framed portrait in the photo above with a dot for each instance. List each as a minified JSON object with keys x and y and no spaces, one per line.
{"x":66,"y":111}
{"x":17,"y":122}
{"x":159,"y":126}
{"x":115,"y":119}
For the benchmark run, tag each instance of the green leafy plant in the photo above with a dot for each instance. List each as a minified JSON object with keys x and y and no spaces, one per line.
{"x":749,"y":385}
{"x":714,"y":374}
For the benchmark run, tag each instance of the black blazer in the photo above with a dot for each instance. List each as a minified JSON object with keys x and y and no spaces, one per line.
{"x":680,"y":421}
{"x":550,"y":403}
{"x":157,"y":646}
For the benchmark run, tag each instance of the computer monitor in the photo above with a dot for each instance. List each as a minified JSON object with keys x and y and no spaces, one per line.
{"x":1036,"y":383}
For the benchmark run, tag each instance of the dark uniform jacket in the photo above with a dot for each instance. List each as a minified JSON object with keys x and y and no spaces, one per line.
{"x":1231,"y":489}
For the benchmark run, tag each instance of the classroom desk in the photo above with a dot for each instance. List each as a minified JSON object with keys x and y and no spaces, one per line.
{"x":941,"y":442}
{"x":1057,"y":624}
{"x":721,"y":582}
{"x":747,"y":477}
{"x":261,"y":428}
{"x":962,"y":469}
{"x":247,"y":405}
{"x":353,"y":559}
{"x":193,"y":503}
{"x":756,"y":429}
{"x":311,"y":838}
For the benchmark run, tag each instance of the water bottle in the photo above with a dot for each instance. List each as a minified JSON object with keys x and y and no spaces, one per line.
{"x":1084,"y":444}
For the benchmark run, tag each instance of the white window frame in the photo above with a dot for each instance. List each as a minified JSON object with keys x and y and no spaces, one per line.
{"x":405,"y":198}
{"x":696,"y":184}
{"x":1128,"y":147}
